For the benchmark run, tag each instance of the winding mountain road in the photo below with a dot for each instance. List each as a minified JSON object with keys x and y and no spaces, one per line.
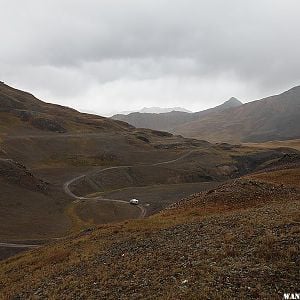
{"x":68,"y":191}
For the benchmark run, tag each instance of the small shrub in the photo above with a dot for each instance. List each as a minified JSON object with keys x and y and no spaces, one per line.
{"x":267,"y":247}
{"x":58,"y":256}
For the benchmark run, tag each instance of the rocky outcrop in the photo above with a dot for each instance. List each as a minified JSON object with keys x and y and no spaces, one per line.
{"x":13,"y":172}
{"x":40,"y":121}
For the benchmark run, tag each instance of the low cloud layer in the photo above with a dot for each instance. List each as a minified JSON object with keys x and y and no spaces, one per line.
{"x":114,"y":55}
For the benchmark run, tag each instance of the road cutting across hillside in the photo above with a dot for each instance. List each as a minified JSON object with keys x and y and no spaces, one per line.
{"x":77,"y":198}
{"x":11,"y":245}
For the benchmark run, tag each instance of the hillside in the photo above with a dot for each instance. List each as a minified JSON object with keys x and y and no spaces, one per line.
{"x":23,"y":200}
{"x":21,"y":112}
{"x":62,"y":171}
{"x":169,"y":121}
{"x":272,"y":118}
{"x":237,"y":241}
{"x":43,"y":145}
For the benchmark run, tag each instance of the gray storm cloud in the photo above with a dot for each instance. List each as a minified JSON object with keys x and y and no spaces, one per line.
{"x":109,"y":56}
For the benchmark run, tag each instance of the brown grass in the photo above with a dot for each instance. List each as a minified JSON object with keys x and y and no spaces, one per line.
{"x":294,"y":144}
{"x":290,"y":177}
{"x":192,"y":252}
{"x":57,"y":256}
{"x":215,"y":245}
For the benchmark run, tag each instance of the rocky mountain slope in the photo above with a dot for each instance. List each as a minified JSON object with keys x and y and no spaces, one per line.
{"x":272,"y":118}
{"x":22,"y":113}
{"x":238,"y":241}
{"x":29,"y":206}
{"x":169,"y":121}
{"x":66,"y":177}
{"x":46,"y":150}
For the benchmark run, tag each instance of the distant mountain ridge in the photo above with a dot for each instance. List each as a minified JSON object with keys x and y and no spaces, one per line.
{"x":272,"y":118}
{"x":170,"y":120}
{"x":159,"y":110}
{"x":155,"y":110}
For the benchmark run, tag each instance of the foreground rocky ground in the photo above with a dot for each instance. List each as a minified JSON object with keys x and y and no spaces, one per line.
{"x":238,"y":241}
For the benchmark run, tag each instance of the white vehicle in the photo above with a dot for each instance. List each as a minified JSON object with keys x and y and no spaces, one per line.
{"x":134,"y":201}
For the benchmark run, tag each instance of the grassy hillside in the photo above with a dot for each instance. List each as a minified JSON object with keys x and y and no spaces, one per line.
{"x":239,"y":240}
{"x":295,"y":144}
{"x":45,"y":146}
{"x":236,"y":236}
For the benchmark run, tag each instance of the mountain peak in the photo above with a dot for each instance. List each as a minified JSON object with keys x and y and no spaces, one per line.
{"x":232,"y":102}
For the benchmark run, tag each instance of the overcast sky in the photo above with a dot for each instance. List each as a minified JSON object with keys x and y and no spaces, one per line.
{"x":108,"y":56}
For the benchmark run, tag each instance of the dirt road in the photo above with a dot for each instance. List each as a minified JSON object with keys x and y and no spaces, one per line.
{"x":68,"y":191}
{"x":11,"y":245}
{"x":67,"y":184}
